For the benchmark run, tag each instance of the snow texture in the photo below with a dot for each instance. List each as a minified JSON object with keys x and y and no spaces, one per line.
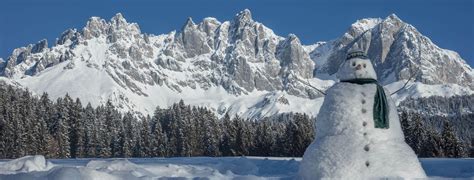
{"x":25,"y":164}
{"x":347,"y":145}
{"x":200,"y":168}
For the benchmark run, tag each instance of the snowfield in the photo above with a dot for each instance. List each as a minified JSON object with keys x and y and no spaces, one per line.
{"x":37,"y":167}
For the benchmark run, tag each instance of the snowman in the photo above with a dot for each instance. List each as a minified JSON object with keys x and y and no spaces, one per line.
{"x":358,"y":133}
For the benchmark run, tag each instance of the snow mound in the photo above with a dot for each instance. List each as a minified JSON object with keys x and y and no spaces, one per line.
{"x":120,"y":168}
{"x":25,"y":164}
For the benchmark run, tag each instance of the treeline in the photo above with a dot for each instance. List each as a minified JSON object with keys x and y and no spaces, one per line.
{"x":435,"y":110}
{"x":427,"y":141}
{"x":66,"y":129}
{"x":435,"y":118}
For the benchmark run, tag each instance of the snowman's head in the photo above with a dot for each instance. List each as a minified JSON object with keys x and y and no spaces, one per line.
{"x":356,"y":66}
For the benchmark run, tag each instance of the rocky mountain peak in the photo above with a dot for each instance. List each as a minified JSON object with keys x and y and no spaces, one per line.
{"x":293,"y":38}
{"x":188,"y":24}
{"x":391,"y":25}
{"x":398,"y":51}
{"x":118,"y":20}
{"x":97,"y":26}
{"x":210,"y":20}
{"x":94,"y":27}
{"x":40,"y":46}
{"x":242,"y":20}
{"x":393,"y":17}
{"x":209,"y":26}
{"x":119,"y":26}
{"x":65,"y":36}
{"x":244,"y":16}
{"x":363,"y":25}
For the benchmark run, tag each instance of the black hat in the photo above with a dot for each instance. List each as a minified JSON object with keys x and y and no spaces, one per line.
{"x":356,"y":54}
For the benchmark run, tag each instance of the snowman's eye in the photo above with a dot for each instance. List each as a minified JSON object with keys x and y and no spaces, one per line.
{"x":365,"y":65}
{"x":353,"y":64}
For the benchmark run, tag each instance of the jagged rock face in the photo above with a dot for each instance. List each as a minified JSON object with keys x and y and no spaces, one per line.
{"x":40,"y":46}
{"x":244,"y":54}
{"x":193,"y":40}
{"x":241,"y":55}
{"x":293,"y":56}
{"x":66,"y":35}
{"x":398,"y":50}
{"x":24,"y":57}
{"x":34,"y":58}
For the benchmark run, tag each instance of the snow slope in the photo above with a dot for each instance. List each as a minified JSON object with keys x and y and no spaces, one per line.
{"x":418,"y":90}
{"x":197,"y":167}
{"x":95,"y":86}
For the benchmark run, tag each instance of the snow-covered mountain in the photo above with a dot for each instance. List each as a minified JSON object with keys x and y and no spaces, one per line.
{"x":238,"y":66}
{"x":398,"y":50}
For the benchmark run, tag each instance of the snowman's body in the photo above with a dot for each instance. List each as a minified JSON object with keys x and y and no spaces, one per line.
{"x":347,"y":144}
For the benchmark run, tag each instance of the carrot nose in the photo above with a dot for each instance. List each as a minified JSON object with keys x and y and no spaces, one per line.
{"x":358,"y":67}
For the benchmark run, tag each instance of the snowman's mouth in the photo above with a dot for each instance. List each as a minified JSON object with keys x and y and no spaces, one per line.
{"x":359,"y":74}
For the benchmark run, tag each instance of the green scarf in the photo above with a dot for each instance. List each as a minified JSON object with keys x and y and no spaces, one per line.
{"x":380,"y":103}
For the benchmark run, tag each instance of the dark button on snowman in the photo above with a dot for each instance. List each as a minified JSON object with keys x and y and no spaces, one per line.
{"x":343,"y":149}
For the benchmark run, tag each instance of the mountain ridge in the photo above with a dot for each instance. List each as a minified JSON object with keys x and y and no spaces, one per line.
{"x":237,"y":67}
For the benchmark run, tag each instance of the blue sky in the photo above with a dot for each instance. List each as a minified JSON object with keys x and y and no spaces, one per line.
{"x":448,"y":23}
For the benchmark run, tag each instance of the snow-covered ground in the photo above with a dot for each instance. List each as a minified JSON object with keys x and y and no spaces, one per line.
{"x":36,"y":167}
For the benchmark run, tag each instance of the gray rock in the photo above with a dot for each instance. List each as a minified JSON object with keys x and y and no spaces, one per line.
{"x":94,"y":28}
{"x":40,"y":46}
{"x":192,"y":40}
{"x":294,"y":58}
{"x":398,"y":50}
{"x":65,"y":36}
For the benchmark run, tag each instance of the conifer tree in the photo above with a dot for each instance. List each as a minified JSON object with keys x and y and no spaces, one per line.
{"x":432,"y":146}
{"x":28,"y":130}
{"x":104,"y":139}
{"x":61,"y":129}
{"x":416,"y":132}
{"x":450,"y":143}
{"x":210,"y":134}
{"x":144,"y":142}
{"x":127,"y":136}
{"x":91,"y":131}
{"x":264,"y":138}
{"x":228,"y":137}
{"x":241,"y":143}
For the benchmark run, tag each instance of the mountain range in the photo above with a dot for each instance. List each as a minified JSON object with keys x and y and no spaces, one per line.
{"x":238,"y":67}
